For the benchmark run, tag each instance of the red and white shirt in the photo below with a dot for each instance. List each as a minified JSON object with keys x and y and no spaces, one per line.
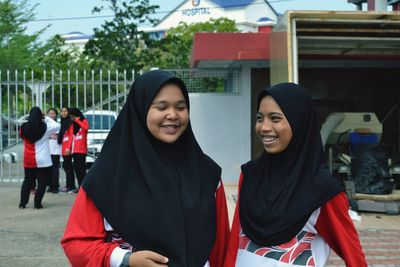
{"x":329,"y":227}
{"x":67,"y":140}
{"x":37,"y":155}
{"x":79,"y":141}
{"x":90,"y":241}
{"x":306,"y":249}
{"x":76,"y":143}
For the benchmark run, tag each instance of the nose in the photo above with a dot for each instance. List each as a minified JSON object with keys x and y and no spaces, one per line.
{"x":266,"y":126}
{"x":172,"y":114}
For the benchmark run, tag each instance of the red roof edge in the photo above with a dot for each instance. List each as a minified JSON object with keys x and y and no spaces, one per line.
{"x":229,"y":46}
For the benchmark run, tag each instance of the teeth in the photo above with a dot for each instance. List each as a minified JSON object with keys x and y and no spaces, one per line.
{"x":269,"y":138}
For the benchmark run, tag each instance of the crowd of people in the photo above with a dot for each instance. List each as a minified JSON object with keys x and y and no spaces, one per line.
{"x":45,"y":141}
{"x":153,"y":198}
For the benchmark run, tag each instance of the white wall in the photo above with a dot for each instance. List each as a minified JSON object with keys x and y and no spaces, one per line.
{"x":206,"y":10}
{"x":257,"y":10}
{"x":221,"y":124}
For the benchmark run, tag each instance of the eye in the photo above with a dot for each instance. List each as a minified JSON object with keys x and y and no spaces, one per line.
{"x":259,"y":118}
{"x":181,"y":106}
{"x":161,"y":108}
{"x":276,"y":118}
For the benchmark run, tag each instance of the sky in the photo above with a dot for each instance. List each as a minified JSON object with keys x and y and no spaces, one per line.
{"x":66,"y":16}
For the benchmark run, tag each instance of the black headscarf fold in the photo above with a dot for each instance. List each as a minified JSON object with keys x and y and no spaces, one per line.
{"x":157,"y":196}
{"x":34,"y":128}
{"x":77,"y":113}
{"x":280,"y":191}
{"x":65,"y":123}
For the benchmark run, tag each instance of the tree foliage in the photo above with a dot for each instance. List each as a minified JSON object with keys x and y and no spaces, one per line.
{"x":176,"y":47}
{"x":119,"y":41}
{"x":17,"y":48}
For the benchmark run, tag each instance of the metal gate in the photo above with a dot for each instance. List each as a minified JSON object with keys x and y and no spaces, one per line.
{"x":87,"y":90}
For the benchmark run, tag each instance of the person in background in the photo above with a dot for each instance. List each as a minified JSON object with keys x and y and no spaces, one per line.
{"x":152,"y":197}
{"x":35,"y":134}
{"x":65,"y":140}
{"x":80,"y":127}
{"x":55,"y":151}
{"x":291,"y":211}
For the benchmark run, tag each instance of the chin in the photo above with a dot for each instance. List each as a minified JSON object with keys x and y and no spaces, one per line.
{"x":169,"y":140}
{"x":272,"y":151}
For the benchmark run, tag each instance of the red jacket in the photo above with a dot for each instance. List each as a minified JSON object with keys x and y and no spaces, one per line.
{"x":333,"y":224}
{"x":79,"y":140}
{"x":67,"y":140}
{"x":84,"y":240}
{"x":37,"y":155}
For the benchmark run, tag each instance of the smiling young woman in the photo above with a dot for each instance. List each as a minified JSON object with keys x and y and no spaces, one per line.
{"x":290,"y":210}
{"x":152,"y":197}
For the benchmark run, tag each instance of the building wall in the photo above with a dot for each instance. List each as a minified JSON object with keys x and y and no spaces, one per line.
{"x":221,"y":124}
{"x":189,"y":13}
{"x":258,"y":9}
{"x":206,"y":10}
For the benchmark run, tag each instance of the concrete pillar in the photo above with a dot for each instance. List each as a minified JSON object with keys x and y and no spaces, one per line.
{"x":377,"y":5}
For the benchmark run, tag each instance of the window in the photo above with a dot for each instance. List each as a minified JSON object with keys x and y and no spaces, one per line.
{"x":100,"y":121}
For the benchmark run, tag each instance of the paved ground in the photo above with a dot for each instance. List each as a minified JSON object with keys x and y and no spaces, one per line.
{"x":30,"y":238}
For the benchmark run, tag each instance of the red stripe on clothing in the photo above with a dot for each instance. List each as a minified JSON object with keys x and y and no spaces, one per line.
{"x":29,"y":155}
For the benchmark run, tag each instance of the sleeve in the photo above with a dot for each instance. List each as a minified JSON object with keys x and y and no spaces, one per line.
{"x":52,"y":125}
{"x":83,"y":124}
{"x":337,"y":229}
{"x":218,"y":251}
{"x":70,"y":133}
{"x":233,"y":245}
{"x":84,"y":237}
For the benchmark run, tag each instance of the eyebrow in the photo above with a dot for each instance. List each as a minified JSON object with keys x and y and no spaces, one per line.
{"x":166,"y":102}
{"x":275,"y":113}
{"x":270,"y":114}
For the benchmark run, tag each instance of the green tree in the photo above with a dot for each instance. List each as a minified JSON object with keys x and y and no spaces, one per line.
{"x":119,"y":41}
{"x":16,"y":46}
{"x":57,"y":55}
{"x":174,"y":50}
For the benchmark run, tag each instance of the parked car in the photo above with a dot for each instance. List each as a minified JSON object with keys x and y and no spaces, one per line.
{"x":8,"y":132}
{"x":100,"y":123}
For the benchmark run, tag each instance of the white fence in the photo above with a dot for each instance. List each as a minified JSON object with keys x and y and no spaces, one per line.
{"x":20,"y":91}
{"x":87,"y":90}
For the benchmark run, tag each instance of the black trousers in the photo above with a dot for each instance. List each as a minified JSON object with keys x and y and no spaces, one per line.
{"x":79,"y":167}
{"x":55,"y":169}
{"x":69,"y":172}
{"x":31,"y":174}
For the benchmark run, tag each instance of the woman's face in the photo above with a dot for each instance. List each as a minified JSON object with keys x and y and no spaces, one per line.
{"x":168,"y":115}
{"x":52,"y":114}
{"x":64,"y":113}
{"x":272,"y":126}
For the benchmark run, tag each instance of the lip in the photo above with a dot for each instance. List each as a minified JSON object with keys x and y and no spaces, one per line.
{"x":269,"y":140}
{"x":170,"y":128}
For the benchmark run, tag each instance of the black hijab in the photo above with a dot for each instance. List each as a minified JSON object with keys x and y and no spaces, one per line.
{"x":157,"y":196}
{"x":77,"y":113}
{"x":65,"y":123}
{"x":280,"y":191}
{"x":34,"y":128}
